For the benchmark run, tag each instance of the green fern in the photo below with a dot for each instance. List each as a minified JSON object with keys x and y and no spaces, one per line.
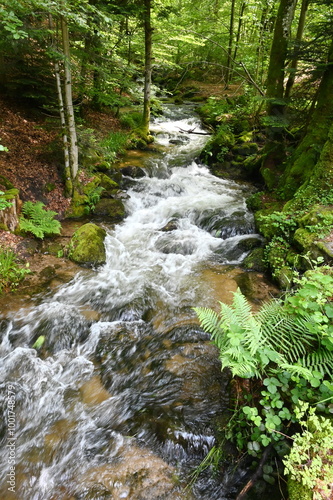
{"x":38,"y":221}
{"x":252,"y":344}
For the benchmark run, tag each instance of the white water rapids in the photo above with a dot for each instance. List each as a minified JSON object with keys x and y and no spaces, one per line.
{"x":109,"y":391}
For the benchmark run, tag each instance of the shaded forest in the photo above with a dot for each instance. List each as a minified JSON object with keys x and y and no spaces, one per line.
{"x":80,"y":83}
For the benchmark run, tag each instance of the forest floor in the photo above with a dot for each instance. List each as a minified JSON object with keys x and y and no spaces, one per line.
{"x":34,"y":160}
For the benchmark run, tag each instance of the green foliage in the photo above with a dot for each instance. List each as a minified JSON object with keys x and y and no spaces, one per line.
{"x":282,"y":224}
{"x":11,"y":272}
{"x":38,"y":221}
{"x":114,"y":144}
{"x":310,"y":460}
{"x":4,"y":203}
{"x":285,"y":349}
{"x":94,"y":196}
{"x":131,"y":120}
{"x":313,"y":299}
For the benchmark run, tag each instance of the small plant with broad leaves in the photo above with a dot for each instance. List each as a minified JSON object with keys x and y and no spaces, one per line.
{"x":310,"y":461}
{"x":38,"y":221}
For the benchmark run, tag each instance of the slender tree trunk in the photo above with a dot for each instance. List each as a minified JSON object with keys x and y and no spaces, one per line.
{"x":230,"y":44}
{"x":68,"y":179}
{"x":275,"y":78}
{"x":266,"y":26}
{"x":67,"y":170}
{"x":148,"y":65}
{"x":299,"y":35}
{"x":68,"y":99}
{"x":240,"y":22}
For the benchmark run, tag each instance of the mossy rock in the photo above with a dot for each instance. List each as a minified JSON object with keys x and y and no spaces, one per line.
{"x":245,"y":149}
{"x":316,"y":216}
{"x":111,"y":208}
{"x":92,"y":185}
{"x":245,"y":137}
{"x":269,"y":177}
{"x":303,"y":239}
{"x":284,"y":277}
{"x":102,"y":166}
{"x":78,"y":206}
{"x":297,"y":491}
{"x":255,"y":260}
{"x":327,"y":250}
{"x":107,"y":183}
{"x":252,"y":164}
{"x":87,"y":245}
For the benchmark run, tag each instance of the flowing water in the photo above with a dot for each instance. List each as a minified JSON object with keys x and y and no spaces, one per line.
{"x":125,"y":397}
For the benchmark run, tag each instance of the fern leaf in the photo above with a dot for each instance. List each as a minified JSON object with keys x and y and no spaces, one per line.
{"x":209,"y":320}
{"x":320,"y":360}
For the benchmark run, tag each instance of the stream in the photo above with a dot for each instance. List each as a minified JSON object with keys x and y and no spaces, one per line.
{"x":126,"y":396}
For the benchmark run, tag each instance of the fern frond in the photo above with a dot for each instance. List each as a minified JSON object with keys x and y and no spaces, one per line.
{"x":320,"y":361}
{"x":242,"y":307}
{"x":209,"y":320}
{"x":39,"y":221}
{"x":296,"y":370}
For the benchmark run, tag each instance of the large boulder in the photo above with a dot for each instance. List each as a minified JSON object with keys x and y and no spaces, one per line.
{"x":87,"y":245}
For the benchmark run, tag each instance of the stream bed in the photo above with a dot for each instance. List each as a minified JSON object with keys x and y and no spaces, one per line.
{"x":126,"y":396}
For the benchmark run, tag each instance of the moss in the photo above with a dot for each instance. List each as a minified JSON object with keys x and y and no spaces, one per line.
{"x":92,"y":185}
{"x":110,"y":208}
{"x":102,"y":166}
{"x":245,"y":137}
{"x":255,"y":260}
{"x":303,"y":239}
{"x":10,"y":194}
{"x":87,"y":245}
{"x":77,"y":208}
{"x":284,"y":277}
{"x":269,"y":177}
{"x":107,"y":183}
{"x":326,"y":249}
{"x":298,"y":491}
{"x":246,"y":149}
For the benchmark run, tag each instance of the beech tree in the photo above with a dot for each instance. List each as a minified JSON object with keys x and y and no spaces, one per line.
{"x":148,"y":63}
{"x":278,"y":55}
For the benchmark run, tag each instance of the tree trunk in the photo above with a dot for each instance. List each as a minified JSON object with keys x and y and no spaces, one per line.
{"x":275,"y":77}
{"x":230,"y":44}
{"x":148,"y":64}
{"x":240,"y":22}
{"x":298,"y":40}
{"x":266,"y":26}
{"x":67,"y":172}
{"x":302,"y":164}
{"x":69,"y":108}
